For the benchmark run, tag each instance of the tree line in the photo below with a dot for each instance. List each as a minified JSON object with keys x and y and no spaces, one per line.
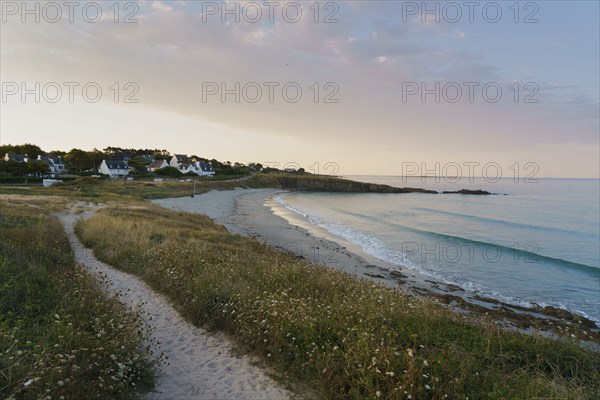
{"x":79,"y":161}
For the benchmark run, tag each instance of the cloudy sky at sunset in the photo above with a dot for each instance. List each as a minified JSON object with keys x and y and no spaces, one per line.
{"x":369,"y":57}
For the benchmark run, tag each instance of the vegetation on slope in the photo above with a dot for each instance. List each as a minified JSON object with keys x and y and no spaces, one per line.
{"x":60,"y":337}
{"x":343,"y":338}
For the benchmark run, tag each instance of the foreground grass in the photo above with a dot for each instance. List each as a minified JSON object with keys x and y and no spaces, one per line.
{"x":61,"y":338}
{"x":340,"y":337}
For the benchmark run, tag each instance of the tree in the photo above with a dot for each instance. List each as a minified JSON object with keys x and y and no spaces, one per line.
{"x":31,"y":150}
{"x":58,"y":153}
{"x":79,"y":160}
{"x":140,"y":166}
{"x":13,"y":168}
{"x":38,"y":168}
{"x":168,"y":171}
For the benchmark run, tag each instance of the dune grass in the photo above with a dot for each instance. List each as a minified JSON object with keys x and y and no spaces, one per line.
{"x":337,"y":336}
{"x":91,"y":189}
{"x":60,"y":337}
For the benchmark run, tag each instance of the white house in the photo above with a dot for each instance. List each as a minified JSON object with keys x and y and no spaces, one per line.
{"x":178,"y":159}
{"x":115,"y":169}
{"x":204,"y":168}
{"x":185,"y":168}
{"x":158,"y":164}
{"x":184,"y":164}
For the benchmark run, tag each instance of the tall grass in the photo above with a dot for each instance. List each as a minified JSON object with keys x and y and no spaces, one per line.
{"x":60,"y":337}
{"x":341,"y":337}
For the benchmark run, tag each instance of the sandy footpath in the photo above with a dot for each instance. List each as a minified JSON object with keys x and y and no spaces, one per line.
{"x":199,"y":365}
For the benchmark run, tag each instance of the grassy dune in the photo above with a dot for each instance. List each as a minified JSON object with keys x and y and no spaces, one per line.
{"x":339,"y":337}
{"x":61,"y":338}
{"x":117,"y":190}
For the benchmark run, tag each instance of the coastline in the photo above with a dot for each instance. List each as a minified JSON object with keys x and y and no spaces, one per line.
{"x":254,"y":213}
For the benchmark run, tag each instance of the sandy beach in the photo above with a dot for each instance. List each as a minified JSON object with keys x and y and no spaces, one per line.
{"x":253,"y":213}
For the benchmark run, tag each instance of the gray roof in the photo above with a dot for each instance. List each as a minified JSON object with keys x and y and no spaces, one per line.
{"x":16,"y":157}
{"x":115,"y":164}
{"x":156,"y":164}
{"x":57,"y":160}
{"x":206,"y":167}
{"x":181,"y":157}
{"x":47,"y":160}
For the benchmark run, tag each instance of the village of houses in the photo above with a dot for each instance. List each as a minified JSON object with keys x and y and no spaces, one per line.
{"x":117,"y":167}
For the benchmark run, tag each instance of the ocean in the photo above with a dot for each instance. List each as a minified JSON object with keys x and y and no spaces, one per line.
{"x":533,"y":243}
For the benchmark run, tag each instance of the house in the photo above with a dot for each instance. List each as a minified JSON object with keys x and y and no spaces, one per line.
{"x":185,"y":164}
{"x":158,"y":164}
{"x":185,"y":168}
{"x":178,"y":159}
{"x":204,"y":168}
{"x":114,"y":168}
{"x":16,"y":157}
{"x":55,"y":165}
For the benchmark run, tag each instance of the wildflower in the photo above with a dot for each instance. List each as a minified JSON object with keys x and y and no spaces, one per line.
{"x":427,"y":387}
{"x":410,"y":353}
{"x":29,"y":382}
{"x":60,"y":383}
{"x":425,"y":363}
{"x":378,"y":393}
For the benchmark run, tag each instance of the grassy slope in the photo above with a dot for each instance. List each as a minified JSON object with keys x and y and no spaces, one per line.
{"x":97,"y":190}
{"x":59,"y":335}
{"x":341,"y":337}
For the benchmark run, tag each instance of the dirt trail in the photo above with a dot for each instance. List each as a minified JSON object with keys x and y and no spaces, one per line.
{"x":200,"y":365}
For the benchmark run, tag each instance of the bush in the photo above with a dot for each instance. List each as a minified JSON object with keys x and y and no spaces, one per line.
{"x":19,"y":179}
{"x":168,"y":171}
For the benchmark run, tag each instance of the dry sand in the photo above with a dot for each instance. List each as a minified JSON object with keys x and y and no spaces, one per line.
{"x":250,"y":213}
{"x":200,"y":365}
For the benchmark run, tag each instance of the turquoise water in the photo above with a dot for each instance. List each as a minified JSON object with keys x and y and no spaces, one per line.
{"x":539,"y":243}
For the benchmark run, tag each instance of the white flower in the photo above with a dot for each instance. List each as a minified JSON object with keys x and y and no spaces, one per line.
{"x":427,"y":387}
{"x":378,"y":393}
{"x":410,"y":353}
{"x":29,"y":382}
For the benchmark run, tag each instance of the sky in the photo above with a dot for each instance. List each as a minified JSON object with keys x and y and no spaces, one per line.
{"x":345,"y":87}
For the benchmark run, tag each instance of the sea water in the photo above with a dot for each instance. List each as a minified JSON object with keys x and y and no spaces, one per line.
{"x":531,"y":243}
